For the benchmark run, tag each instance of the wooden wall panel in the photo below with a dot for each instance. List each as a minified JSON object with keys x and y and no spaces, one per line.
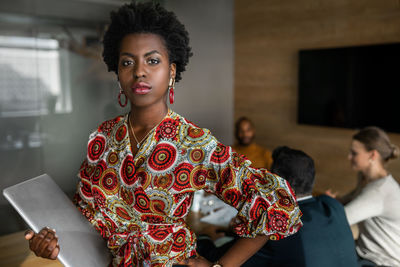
{"x":268,"y":36}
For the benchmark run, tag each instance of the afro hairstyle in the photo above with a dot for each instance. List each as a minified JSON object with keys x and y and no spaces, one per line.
{"x":152,"y":18}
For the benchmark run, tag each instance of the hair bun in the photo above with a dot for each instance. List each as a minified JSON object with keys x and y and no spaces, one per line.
{"x":395,"y":152}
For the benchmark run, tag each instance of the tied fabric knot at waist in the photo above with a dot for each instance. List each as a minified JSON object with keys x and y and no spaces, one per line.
{"x":136,"y":245}
{"x":131,"y":247}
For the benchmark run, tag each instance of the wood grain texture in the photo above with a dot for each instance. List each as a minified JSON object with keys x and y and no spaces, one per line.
{"x":14,"y":251}
{"x":268,"y":36}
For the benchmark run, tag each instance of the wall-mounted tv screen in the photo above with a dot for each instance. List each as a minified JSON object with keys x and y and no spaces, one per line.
{"x":350,"y":87}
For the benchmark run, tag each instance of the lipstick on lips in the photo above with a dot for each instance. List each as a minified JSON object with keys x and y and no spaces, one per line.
{"x":141,"y":88}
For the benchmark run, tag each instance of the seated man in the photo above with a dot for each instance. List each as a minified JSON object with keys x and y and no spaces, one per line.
{"x":245,"y":145}
{"x":325,"y":238}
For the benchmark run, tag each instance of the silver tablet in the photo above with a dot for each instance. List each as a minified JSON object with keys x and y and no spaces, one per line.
{"x":42,"y":203}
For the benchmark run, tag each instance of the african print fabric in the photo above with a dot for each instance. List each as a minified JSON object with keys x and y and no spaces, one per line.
{"x":139,"y":203}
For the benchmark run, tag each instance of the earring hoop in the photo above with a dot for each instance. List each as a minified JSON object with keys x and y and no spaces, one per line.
{"x":121,"y":92}
{"x":171,"y":87}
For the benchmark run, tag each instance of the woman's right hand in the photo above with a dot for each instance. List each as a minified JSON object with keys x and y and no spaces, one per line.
{"x":44,"y":244}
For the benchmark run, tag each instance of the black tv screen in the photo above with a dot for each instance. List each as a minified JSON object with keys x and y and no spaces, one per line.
{"x":350,"y":87}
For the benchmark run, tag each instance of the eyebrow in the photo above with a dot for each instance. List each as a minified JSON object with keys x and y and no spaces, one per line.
{"x":146,"y":55}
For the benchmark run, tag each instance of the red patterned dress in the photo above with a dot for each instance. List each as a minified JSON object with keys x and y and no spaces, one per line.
{"x":139,"y":203}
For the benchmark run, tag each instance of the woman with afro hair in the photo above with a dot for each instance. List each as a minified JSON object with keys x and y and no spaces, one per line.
{"x":137,"y":183}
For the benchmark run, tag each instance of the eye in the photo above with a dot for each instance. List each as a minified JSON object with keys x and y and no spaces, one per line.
{"x":153,"y":61}
{"x":126,"y":62}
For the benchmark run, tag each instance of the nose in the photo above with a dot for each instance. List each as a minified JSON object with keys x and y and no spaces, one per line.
{"x":139,"y":70}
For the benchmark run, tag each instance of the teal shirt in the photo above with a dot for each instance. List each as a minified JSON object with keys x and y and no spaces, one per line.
{"x":324,"y":240}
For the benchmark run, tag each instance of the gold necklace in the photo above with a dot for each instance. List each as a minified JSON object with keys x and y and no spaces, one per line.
{"x":133,"y":132}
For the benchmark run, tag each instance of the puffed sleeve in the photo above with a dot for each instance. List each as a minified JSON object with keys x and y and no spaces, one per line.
{"x":265,"y":202}
{"x":86,"y":199}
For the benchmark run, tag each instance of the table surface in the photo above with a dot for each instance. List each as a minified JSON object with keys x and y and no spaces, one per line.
{"x":14,"y":251}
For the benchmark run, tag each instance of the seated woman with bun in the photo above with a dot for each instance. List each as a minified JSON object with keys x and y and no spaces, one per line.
{"x":142,"y":168}
{"x":375,"y":203}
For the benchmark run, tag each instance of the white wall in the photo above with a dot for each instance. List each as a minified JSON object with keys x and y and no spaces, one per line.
{"x":205,"y":94}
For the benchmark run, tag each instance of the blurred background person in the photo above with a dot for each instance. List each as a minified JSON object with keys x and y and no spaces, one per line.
{"x":374,"y":203}
{"x":245,"y":145}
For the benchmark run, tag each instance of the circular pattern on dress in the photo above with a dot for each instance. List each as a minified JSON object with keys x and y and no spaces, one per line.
{"x":179,"y":241}
{"x":98,"y":172}
{"x":127,"y":171}
{"x":167,"y":129}
{"x":278,"y":220}
{"x":99,"y":197}
{"x":109,"y":182}
{"x":86,"y":190}
{"x":182,"y":176}
{"x":96,"y":148}
{"x":194,"y":137}
{"x":275,"y":237}
{"x":195,"y":132}
{"x":142,"y":201}
{"x":163,"y":157}
{"x":160,"y":234}
{"x":107,"y":126}
{"x":86,"y":170}
{"x":151,"y":218}
{"x":221,"y":154}
{"x":259,"y":206}
{"x":227,"y":177}
{"x":211,"y":174}
{"x":143,"y":177}
{"x":183,"y":208}
{"x":160,"y":201}
{"x":111,"y":225}
{"x":163,"y":249}
{"x":238,"y":160}
{"x":157,"y":206}
{"x":256,"y":177}
{"x":198,"y":177}
{"x":268,"y":181}
{"x":120,"y":133}
{"x":285,"y":201}
{"x":196,"y":155}
{"x":139,"y":161}
{"x":126,"y":195}
{"x":112,"y":158}
{"x":162,"y":181}
{"x":248,"y":186}
{"x":232,"y":196}
{"x":123,"y":213}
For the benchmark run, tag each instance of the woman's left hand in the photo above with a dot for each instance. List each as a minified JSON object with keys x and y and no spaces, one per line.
{"x":198,"y":261}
